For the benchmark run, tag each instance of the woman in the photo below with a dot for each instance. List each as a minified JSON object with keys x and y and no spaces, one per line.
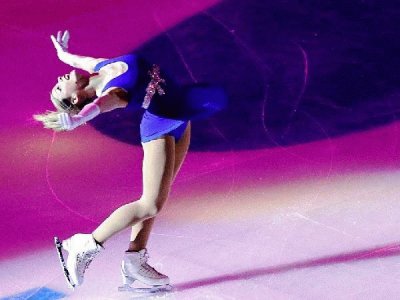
{"x":165,"y":136}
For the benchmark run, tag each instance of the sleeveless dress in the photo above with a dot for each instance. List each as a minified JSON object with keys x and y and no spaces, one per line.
{"x":169,"y":113}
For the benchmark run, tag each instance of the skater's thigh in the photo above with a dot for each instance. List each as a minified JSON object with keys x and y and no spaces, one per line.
{"x":158,"y":170}
{"x":181,"y":149}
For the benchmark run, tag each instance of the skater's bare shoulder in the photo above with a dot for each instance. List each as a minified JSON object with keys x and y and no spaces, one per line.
{"x":113,"y":99}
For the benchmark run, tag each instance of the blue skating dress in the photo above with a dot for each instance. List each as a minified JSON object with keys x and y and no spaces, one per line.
{"x":169,"y":113}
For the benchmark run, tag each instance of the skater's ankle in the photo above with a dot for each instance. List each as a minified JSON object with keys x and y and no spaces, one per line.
{"x":98,"y":243}
{"x":137,"y":249}
{"x":131,"y":250}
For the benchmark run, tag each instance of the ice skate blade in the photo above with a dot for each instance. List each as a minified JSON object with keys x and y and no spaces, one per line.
{"x":146,"y":290}
{"x":59,"y":248}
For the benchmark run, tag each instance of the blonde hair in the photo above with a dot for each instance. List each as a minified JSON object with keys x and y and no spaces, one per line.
{"x":50,"y":118}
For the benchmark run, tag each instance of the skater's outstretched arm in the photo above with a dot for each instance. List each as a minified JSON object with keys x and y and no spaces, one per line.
{"x":77,"y":61}
{"x":75,"y":94}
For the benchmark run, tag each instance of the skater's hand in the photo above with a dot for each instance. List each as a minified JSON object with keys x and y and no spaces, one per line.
{"x":61,"y":121}
{"x":61,"y":42}
{"x":64,"y":121}
{"x":76,"y":61}
{"x":54,"y":120}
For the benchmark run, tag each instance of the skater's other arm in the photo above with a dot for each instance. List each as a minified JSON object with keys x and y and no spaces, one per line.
{"x":77,"y":61}
{"x":64,"y":121}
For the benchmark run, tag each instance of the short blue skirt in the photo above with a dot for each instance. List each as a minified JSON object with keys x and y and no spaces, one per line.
{"x":153,"y":127}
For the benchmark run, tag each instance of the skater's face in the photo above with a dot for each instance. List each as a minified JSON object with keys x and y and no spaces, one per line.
{"x":68,"y":87}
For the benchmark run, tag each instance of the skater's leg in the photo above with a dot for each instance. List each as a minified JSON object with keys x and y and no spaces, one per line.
{"x":141,"y":231}
{"x":181,"y":149}
{"x":140,"y":235}
{"x":158,"y":170}
{"x":134,"y":264}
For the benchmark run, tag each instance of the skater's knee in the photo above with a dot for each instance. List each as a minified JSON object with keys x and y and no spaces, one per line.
{"x":152,"y":211}
{"x":149,"y":209}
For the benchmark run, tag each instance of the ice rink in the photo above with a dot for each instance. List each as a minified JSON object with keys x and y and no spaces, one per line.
{"x":291,"y":192}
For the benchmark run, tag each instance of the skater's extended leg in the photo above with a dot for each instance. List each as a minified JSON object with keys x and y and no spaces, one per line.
{"x":158,"y":170}
{"x":141,"y":231}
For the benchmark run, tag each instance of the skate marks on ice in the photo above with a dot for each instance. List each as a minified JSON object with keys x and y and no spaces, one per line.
{"x":377,"y":252}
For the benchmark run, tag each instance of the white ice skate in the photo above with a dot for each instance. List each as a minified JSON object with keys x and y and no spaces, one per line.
{"x":82,"y":248}
{"x":134,"y":266}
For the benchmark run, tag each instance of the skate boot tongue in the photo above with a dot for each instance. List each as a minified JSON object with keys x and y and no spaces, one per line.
{"x":137,"y":257}
{"x":135,"y":267}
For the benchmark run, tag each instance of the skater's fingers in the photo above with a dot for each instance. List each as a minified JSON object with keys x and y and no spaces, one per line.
{"x":65,"y":38}
{"x":59,"y":36}
{"x":55,"y":43}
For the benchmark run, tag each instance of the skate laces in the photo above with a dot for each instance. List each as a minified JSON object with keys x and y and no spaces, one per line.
{"x":146,"y":268}
{"x":149,"y":270}
{"x":85,"y":260}
{"x":144,"y":257}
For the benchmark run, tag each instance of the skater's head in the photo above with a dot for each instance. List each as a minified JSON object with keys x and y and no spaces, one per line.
{"x":69,"y":94}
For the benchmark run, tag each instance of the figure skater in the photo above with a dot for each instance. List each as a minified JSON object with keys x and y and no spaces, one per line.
{"x":165,"y":137}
